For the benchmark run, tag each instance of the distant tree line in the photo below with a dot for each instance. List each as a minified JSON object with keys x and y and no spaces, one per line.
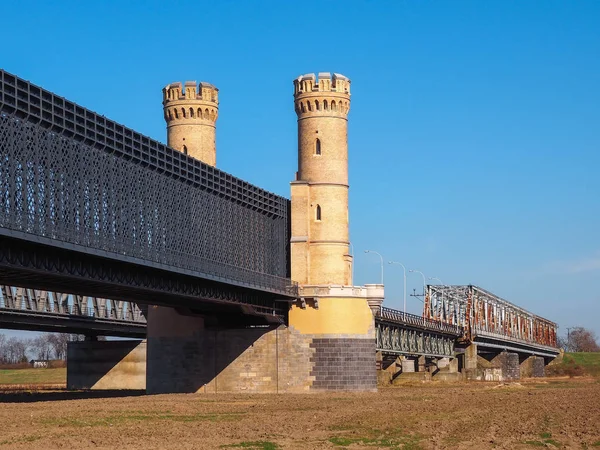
{"x":46,"y":346}
{"x":579,"y":339}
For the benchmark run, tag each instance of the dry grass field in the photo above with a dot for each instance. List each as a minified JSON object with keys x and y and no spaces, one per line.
{"x":33,"y":377}
{"x":551,"y":413}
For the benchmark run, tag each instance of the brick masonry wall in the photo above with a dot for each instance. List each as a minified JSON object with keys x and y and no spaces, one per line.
{"x":184,"y":356}
{"x":344,"y":364}
{"x":259,"y":360}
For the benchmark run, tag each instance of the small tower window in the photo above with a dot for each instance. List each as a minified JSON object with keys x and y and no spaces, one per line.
{"x":318,"y":213}
{"x":184,"y":150}
{"x":317,"y":147}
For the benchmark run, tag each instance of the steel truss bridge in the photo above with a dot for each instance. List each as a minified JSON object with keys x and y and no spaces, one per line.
{"x":91,"y":207}
{"x":400,"y":333}
{"x":490,"y":321}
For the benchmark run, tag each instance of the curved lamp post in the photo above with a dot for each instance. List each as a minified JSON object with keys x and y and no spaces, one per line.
{"x":381,"y":257}
{"x":404,"y":278}
{"x":435,"y":278}
{"x":423,"y":275}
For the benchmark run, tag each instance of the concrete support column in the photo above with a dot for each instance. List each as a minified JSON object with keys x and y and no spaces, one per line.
{"x":422,"y":364}
{"x":470,"y":363}
{"x":443,"y":362}
{"x":513,"y":369}
{"x":509,"y":364}
{"x":408,"y":365}
{"x":181,"y":354}
{"x":471,"y":357}
{"x":532,"y":366}
{"x":453,"y":365}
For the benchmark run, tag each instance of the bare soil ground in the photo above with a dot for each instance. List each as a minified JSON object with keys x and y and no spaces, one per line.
{"x":552,"y":413}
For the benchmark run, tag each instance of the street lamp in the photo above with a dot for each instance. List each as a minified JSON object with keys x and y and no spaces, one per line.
{"x":404,"y":278}
{"x":423,"y":275}
{"x":381,"y":257}
{"x":435,"y":278}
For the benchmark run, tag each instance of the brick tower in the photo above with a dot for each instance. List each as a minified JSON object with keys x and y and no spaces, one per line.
{"x":319,"y":248}
{"x":191,"y":114}
{"x":332,"y":315}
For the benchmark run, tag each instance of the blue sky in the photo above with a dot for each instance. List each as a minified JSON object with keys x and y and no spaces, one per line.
{"x":474,"y":134}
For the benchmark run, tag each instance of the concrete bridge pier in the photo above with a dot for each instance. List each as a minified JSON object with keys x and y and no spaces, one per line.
{"x":189,"y":354}
{"x":490,"y":365}
{"x":469,"y":362}
{"x":509,"y":365}
{"x":532,"y":366}
{"x":408,"y":364}
{"x":328,"y":345}
{"x":446,"y":369}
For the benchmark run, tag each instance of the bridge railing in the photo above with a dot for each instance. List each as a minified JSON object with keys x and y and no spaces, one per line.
{"x":401,"y":317}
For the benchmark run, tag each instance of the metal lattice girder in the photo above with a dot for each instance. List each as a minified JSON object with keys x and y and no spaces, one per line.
{"x":56,"y":303}
{"x":73,"y":179}
{"x":38,"y":310}
{"x":481,"y":313}
{"x":398,"y":339}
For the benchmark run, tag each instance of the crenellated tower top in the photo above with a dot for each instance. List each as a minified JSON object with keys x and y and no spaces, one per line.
{"x":192,"y":101}
{"x":191,"y":91}
{"x":325,"y":95}
{"x":191,"y":112}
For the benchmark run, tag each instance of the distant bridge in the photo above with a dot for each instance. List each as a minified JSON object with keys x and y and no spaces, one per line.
{"x":490,"y":321}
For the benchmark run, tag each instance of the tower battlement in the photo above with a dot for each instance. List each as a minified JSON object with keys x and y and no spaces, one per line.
{"x":191,"y":111}
{"x":325,"y":82}
{"x":190,"y":91}
{"x":323,"y":95}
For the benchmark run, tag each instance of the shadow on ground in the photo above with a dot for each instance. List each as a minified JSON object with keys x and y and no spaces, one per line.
{"x":50,"y":396}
